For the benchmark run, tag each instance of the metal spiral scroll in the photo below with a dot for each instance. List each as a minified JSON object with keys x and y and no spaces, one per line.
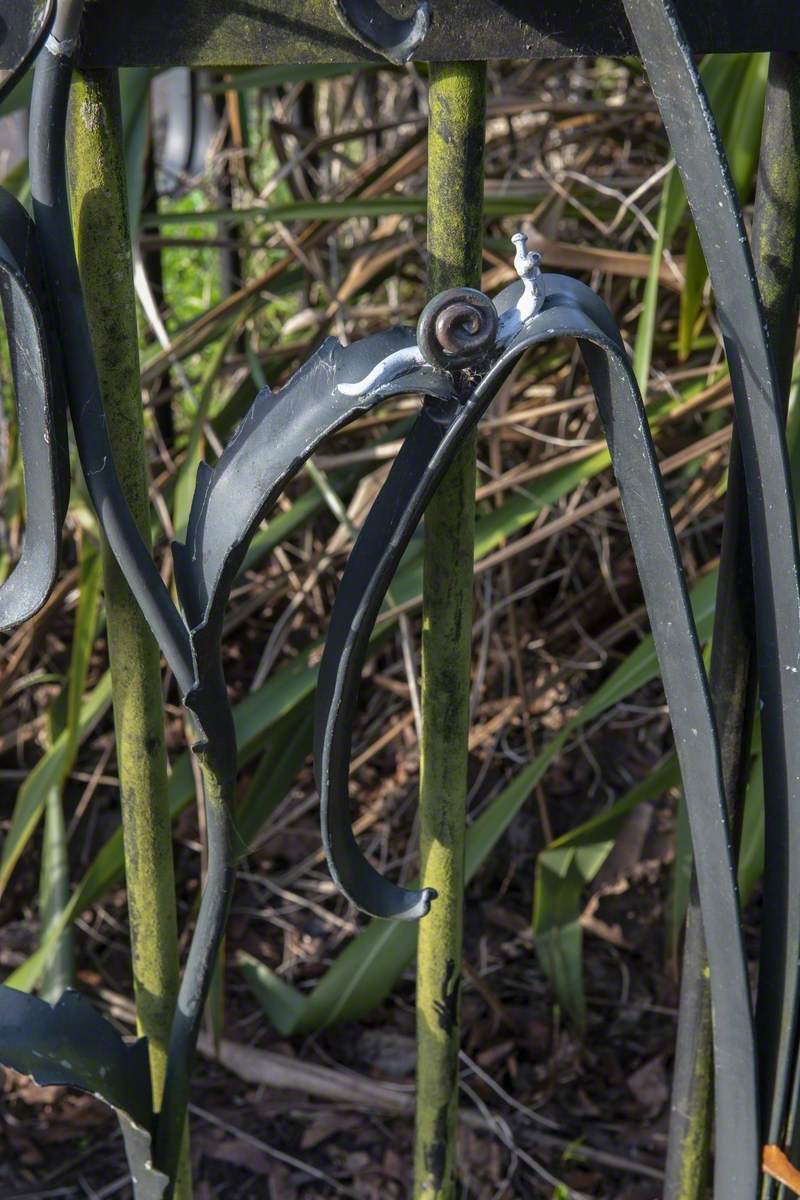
{"x":457,"y":328}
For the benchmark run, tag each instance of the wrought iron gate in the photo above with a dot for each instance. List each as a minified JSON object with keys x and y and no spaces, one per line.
{"x":458,"y":356}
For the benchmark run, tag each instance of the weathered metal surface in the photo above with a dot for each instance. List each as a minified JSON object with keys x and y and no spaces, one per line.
{"x":773,"y":531}
{"x":461,"y":354}
{"x":776,"y":252}
{"x":38,"y":393}
{"x":24,"y":24}
{"x":71,"y":1045}
{"x":253,"y":32}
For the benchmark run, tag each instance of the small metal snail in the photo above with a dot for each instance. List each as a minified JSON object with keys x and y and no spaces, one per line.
{"x":461,"y":327}
{"x":457,"y":329}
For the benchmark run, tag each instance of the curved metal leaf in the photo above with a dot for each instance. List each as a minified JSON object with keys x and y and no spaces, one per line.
{"x":24,"y":24}
{"x":68,"y":1043}
{"x":280,"y":431}
{"x":572,"y":311}
{"x":41,"y":413}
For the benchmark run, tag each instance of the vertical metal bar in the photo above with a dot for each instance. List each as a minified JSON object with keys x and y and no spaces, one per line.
{"x":776,"y":245}
{"x":98,"y":201}
{"x":776,"y":228}
{"x":732,"y":682}
{"x":457,"y":101}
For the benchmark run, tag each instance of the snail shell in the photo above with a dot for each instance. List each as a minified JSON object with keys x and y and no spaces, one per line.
{"x":457,"y":328}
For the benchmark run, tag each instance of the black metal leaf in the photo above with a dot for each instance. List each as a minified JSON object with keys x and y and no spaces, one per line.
{"x":68,"y":1043}
{"x":279,"y":433}
{"x":24,"y":25}
{"x":41,"y":413}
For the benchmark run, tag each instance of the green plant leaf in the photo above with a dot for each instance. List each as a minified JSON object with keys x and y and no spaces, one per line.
{"x":187,"y":475}
{"x":134,"y":86}
{"x":20,"y":96}
{"x":65,"y":718}
{"x":332,"y":210}
{"x":563,"y":870}
{"x":645,"y":330}
{"x":287,"y":747}
{"x":751,"y":844}
{"x":54,"y":897}
{"x":285,"y":1005}
{"x":736,"y":90}
{"x":48,"y":773}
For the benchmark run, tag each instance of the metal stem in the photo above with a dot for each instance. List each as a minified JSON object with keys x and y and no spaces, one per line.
{"x":775,"y":251}
{"x":776,"y":245}
{"x":98,"y":201}
{"x":457,"y":100}
{"x":218,"y":764}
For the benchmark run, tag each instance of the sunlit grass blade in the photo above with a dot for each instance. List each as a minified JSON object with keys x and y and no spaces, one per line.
{"x":645,"y":330}
{"x":738,"y":104}
{"x":563,"y":871}
{"x":59,"y":972}
{"x":48,"y":773}
{"x":65,"y":717}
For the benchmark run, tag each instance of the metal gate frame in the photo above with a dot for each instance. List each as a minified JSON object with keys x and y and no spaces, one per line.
{"x":458,"y":356}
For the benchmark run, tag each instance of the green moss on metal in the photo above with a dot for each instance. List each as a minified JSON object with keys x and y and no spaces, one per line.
{"x":98,"y":197}
{"x":776,"y":233}
{"x":695,"y":1143}
{"x":457,"y":99}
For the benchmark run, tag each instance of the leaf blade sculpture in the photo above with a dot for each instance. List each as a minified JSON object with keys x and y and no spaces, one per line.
{"x":70,"y":1045}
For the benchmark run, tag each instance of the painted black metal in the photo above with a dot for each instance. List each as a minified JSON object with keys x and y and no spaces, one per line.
{"x":254,"y":32}
{"x":24,"y":25}
{"x":395,"y":38}
{"x":275,"y":438}
{"x":71,"y":1045}
{"x":759,"y":415}
{"x":35,"y":367}
{"x":732,"y":676}
{"x":457,"y":361}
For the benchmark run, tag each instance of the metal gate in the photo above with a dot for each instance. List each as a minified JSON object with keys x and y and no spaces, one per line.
{"x":459,"y":354}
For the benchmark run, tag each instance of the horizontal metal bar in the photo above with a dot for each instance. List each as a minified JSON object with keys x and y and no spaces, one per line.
{"x":255,"y":32}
